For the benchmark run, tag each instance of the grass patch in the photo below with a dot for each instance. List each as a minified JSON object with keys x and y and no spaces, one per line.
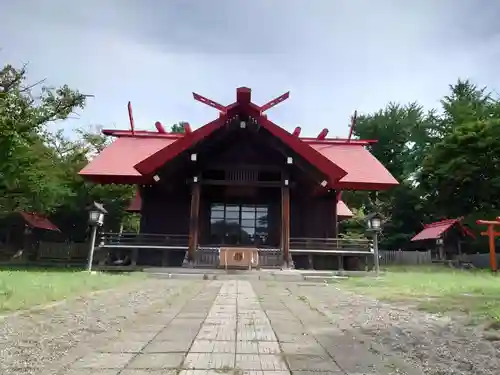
{"x":437,"y":289}
{"x":25,"y":288}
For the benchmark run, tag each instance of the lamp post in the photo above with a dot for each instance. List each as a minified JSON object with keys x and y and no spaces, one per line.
{"x":96,"y":219}
{"x":439,"y":243}
{"x":374,"y":225}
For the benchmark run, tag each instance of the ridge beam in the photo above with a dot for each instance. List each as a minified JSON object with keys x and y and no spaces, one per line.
{"x":272,"y":103}
{"x":209,"y":102}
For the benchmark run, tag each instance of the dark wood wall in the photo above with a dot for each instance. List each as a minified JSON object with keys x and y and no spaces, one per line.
{"x":168,"y":212}
{"x":312,"y":217}
{"x":165,"y":211}
{"x":166,"y":205}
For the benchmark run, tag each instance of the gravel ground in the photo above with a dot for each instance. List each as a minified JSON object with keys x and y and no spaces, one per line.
{"x":438,"y":345}
{"x":30,"y":343}
{"x":38,"y":342}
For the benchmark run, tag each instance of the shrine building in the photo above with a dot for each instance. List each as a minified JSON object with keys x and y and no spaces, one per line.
{"x":239,"y":185}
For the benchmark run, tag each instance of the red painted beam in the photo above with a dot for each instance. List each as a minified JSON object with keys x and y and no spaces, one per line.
{"x":160,"y":127}
{"x":487,"y":222}
{"x":338,"y":141}
{"x":243,"y":95}
{"x":131,"y":117}
{"x":487,"y":234}
{"x":296,"y":131}
{"x":272,"y":103}
{"x":322,"y":135}
{"x":140,"y":134}
{"x":209,"y":102}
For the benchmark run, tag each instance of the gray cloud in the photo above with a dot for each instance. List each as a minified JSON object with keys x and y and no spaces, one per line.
{"x":334,"y":56}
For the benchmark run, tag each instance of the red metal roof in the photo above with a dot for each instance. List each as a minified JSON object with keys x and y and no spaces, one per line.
{"x":135,"y":156}
{"x":115,"y":164}
{"x":342,"y":210}
{"x":435,"y":230}
{"x":39,"y":221}
{"x":364,"y":171}
{"x":135,"y":203}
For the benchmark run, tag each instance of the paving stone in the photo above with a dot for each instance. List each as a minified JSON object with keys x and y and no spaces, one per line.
{"x":301,"y":362}
{"x":191,"y":315}
{"x":148,"y":327}
{"x":217,"y":361}
{"x":137,"y":336}
{"x":170,"y":334}
{"x":123,"y":347}
{"x":265,"y":362}
{"x":149,"y":372}
{"x":90,"y":372}
{"x":233,"y":333}
{"x":269,"y":347}
{"x":302,"y":348}
{"x":293,"y":338}
{"x":157,"y":346}
{"x":103,"y":361}
{"x":247,"y":347}
{"x":195,"y":323}
{"x":157,"y":361}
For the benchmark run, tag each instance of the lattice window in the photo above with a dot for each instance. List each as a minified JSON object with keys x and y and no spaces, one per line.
{"x":242,"y":175}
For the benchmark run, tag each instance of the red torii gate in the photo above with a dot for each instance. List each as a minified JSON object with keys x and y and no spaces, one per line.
{"x":490,"y":232}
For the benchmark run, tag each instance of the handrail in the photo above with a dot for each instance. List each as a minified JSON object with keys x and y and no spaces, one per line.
{"x":172,"y":241}
{"x":143,"y":240}
{"x":330,"y":244}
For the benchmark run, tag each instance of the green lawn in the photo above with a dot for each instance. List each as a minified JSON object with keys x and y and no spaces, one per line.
{"x":22,"y":289}
{"x":437,"y":289}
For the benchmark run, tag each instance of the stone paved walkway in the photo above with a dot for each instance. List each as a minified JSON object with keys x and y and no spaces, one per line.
{"x":231,"y":327}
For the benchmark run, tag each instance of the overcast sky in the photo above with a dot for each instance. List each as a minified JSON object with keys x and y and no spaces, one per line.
{"x":334,"y":56}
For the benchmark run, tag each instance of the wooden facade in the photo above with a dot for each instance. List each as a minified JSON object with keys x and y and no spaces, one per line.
{"x":240,"y":181}
{"x":239,"y":191}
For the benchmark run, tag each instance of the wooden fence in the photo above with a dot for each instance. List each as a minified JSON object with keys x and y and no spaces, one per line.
{"x":404,"y":257}
{"x":62,"y":251}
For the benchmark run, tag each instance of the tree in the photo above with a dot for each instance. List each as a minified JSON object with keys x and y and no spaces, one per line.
{"x":458,"y":172}
{"x":178,"y":128}
{"x":28,"y":179}
{"x":403,"y":134}
{"x":70,"y":215}
{"x":462,"y":174}
{"x":39,"y":169}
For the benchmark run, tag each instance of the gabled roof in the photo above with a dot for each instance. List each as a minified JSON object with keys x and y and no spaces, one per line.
{"x":39,"y":221}
{"x":135,"y":204}
{"x":435,"y":230}
{"x":343,"y":211}
{"x":136,"y":155}
{"x":243,"y":107}
{"x":364,"y":171}
{"x":116,"y":163}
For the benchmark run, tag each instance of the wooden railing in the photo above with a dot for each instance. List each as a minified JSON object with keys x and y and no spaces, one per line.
{"x":143,"y":240}
{"x":180,"y":241}
{"x":329,"y":245}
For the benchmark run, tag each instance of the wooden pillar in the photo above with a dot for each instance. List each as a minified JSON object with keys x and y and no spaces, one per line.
{"x":493,"y":255}
{"x":194,"y":219}
{"x":285,"y":222}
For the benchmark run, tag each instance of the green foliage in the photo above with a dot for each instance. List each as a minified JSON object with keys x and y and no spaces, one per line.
{"x":178,"y":128}
{"x":39,"y":169}
{"x":353,"y":227}
{"x":462,"y":174}
{"x":447,"y":164}
{"x":446,"y":160}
